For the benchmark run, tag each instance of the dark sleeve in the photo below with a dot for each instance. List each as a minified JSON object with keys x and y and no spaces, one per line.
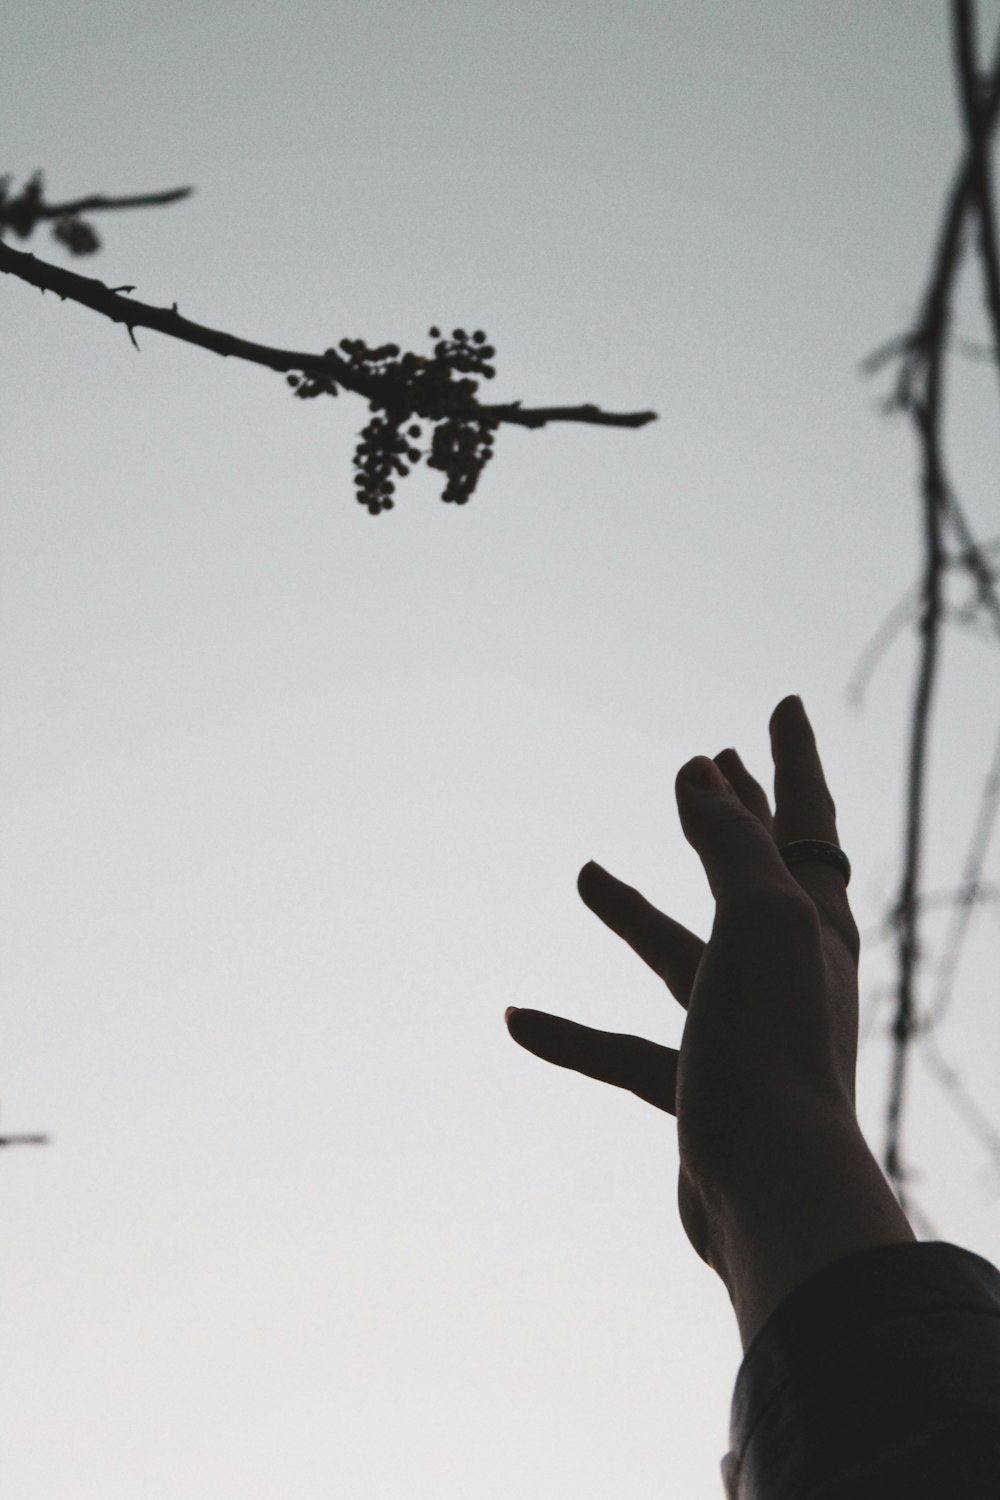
{"x":878,"y":1377}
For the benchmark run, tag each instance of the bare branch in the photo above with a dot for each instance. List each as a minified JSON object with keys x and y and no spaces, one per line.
{"x":899,"y":616}
{"x":968,"y":896}
{"x":100,"y":203}
{"x":28,"y":209}
{"x":92,"y":293}
{"x":919,"y":392}
{"x":974,"y":113}
{"x":961,"y":1100}
{"x":945,"y":264}
{"x":927,"y":416}
{"x":933,"y":901}
{"x":405,"y":387}
{"x":973,"y":559}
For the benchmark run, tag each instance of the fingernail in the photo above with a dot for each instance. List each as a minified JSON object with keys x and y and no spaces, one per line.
{"x":510,"y":1011}
{"x":704,"y":773}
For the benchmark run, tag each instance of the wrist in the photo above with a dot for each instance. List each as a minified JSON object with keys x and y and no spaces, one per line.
{"x":801,"y":1201}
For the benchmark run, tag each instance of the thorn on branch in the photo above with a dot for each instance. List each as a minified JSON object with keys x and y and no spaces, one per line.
{"x":399,"y":386}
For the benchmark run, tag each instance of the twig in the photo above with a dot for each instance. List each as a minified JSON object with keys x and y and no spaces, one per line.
{"x":23,"y":212}
{"x":919,"y":392}
{"x":969,"y":894}
{"x":92,"y":293}
{"x":399,"y":388}
{"x":404,"y":387}
{"x":927,"y":417}
{"x":974,"y":115}
{"x":962,"y":1102}
{"x":899,"y":616}
{"x":946,"y":261}
{"x":96,"y":203}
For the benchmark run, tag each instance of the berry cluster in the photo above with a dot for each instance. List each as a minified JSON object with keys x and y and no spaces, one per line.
{"x":314,"y":384}
{"x":462,"y":448}
{"x":380,"y":454}
{"x":412,"y":386}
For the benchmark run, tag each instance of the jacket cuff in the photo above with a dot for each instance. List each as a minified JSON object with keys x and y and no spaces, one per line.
{"x":872,"y":1373}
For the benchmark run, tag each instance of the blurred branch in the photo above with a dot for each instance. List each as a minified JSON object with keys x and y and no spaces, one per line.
{"x":898,"y":617}
{"x":29,"y":208}
{"x":977,"y":1122}
{"x":24,"y":1140}
{"x":403,"y":387}
{"x":977,"y":131}
{"x":919,"y":392}
{"x":947,"y":259}
{"x":926,"y":413}
{"x":971,"y":890}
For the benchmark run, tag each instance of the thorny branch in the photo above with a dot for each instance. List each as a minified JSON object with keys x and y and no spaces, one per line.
{"x":402,"y":389}
{"x":919,"y":392}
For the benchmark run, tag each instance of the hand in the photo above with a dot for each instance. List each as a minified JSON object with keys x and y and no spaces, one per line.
{"x":765,"y":1069}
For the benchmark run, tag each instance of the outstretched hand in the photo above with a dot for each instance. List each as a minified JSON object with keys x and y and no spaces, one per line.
{"x":769,"y":1046}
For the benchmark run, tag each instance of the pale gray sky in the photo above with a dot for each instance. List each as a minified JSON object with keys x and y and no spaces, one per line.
{"x":293,"y":799}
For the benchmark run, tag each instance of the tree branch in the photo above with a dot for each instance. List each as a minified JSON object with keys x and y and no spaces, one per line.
{"x":110,"y":302}
{"x":945,"y":264}
{"x":95,"y":203}
{"x":977,"y":134}
{"x":919,"y":392}
{"x":29,"y":208}
{"x":405,"y":387}
{"x":927,"y":415}
{"x":970,"y":891}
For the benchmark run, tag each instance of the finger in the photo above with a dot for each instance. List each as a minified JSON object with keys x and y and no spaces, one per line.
{"x":629,"y":1062}
{"x":746,"y":787}
{"x":670,"y":950}
{"x":804,"y":808}
{"x":737,"y":851}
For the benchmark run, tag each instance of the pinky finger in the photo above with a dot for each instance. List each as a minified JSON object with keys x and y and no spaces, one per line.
{"x":628,"y":1062}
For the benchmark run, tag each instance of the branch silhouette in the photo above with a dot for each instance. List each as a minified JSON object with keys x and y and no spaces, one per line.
{"x":919,"y":393}
{"x":402,"y":389}
{"x":23,"y":1139}
{"x":29,"y":208}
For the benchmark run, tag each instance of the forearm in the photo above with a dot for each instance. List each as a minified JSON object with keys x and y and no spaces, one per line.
{"x":805,"y":1198}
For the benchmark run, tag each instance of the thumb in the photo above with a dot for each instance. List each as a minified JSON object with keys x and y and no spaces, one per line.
{"x":738,"y":853}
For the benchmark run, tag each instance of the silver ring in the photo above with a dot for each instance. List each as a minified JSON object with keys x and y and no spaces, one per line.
{"x":818,"y":849}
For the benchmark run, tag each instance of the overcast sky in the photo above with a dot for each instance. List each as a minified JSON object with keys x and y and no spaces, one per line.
{"x":293,"y":798}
